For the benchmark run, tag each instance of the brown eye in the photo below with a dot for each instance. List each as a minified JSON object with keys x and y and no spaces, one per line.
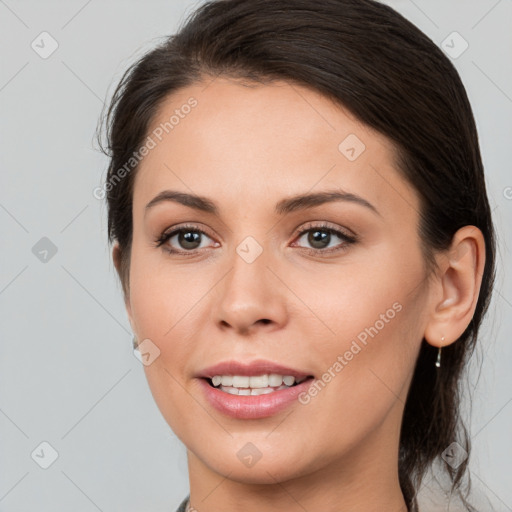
{"x":189,"y":239}
{"x":319,"y":239}
{"x":185,"y":239}
{"x":324,"y":239}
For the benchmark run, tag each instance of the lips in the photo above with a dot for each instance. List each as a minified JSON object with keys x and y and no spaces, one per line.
{"x":257,"y":405}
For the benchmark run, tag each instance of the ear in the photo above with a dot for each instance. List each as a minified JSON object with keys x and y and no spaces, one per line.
{"x":116,"y":257}
{"x":456,"y":288}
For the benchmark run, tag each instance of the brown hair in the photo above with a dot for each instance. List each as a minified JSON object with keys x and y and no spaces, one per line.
{"x":375,"y":63}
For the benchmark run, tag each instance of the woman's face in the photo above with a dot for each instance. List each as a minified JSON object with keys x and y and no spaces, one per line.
{"x":262,"y":278}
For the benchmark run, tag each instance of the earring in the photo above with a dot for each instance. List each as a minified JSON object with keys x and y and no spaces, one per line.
{"x":438,"y":362}
{"x":135,"y":343}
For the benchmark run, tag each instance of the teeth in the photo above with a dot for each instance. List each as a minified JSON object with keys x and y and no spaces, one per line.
{"x":288,"y":380}
{"x":227,"y":380}
{"x":254,"y":385}
{"x":260,"y":381}
{"x":249,"y":391}
{"x":261,"y":391}
{"x":275,"y":380}
{"x":240,"y":381}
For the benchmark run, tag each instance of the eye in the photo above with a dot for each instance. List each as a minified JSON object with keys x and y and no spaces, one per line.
{"x":187,"y":238}
{"x":322,"y":239}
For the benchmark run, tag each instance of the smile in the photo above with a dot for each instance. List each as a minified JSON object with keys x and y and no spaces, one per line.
{"x":254,"y":385}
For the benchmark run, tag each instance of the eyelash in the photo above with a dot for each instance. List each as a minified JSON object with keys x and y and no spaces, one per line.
{"x":347,"y":239}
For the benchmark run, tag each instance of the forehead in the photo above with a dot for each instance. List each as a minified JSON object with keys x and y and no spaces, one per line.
{"x":241,"y":142}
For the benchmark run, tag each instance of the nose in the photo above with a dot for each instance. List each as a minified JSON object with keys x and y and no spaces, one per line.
{"x":250,"y":298}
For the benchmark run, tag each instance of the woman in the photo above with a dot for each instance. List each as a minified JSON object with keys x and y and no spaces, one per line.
{"x":306,"y":250}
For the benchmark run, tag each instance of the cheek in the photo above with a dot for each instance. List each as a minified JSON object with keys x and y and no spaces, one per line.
{"x":343,"y":301}
{"x":368,"y":325}
{"x":157,"y":308}
{"x":366,"y":363}
{"x":162,"y":292}
{"x":167,"y":389}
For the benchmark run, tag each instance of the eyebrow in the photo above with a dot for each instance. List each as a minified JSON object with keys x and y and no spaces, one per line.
{"x":287,"y":205}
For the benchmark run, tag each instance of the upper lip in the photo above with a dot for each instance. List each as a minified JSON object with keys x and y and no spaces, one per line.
{"x":252,"y":368}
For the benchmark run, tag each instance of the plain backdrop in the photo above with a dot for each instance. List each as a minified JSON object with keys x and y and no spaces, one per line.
{"x":68,"y":377}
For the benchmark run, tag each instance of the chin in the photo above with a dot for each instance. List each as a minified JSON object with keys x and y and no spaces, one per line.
{"x":253,"y":463}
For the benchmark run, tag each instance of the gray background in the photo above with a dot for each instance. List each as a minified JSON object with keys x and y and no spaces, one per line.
{"x":68,"y":375}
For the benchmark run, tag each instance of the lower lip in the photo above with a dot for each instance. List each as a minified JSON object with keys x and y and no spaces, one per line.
{"x":256,"y":406}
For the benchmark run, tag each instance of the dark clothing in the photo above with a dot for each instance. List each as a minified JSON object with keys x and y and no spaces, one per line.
{"x":183,"y":505}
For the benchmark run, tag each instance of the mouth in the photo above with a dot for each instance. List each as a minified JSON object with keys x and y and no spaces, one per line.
{"x":254,"y":385}
{"x":252,"y":390}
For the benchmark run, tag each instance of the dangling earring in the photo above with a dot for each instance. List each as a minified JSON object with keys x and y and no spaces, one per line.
{"x":135,"y":343}
{"x":438,"y":362}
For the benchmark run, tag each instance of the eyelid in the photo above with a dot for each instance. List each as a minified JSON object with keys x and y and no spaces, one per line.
{"x":190,"y":226}
{"x":321,"y":224}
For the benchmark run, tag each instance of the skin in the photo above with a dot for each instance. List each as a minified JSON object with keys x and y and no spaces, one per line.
{"x":246,"y":148}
